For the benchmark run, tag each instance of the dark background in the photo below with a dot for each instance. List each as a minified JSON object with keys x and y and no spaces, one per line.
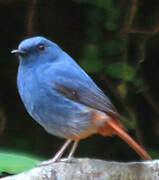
{"x":116,"y":42}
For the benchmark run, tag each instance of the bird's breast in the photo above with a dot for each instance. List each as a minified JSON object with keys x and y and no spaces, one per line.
{"x":27,"y":87}
{"x":57,"y":114}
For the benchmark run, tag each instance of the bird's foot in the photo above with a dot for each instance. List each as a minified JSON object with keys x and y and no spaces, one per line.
{"x":69,"y":160}
{"x":48,"y":162}
{"x":51,"y":161}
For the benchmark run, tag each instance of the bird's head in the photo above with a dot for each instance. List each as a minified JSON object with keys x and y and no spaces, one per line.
{"x":37,"y":50}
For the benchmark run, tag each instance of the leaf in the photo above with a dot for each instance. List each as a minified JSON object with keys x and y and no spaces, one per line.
{"x":91,"y":60}
{"x":110,"y":25}
{"x":121,"y":70}
{"x":154,"y":153}
{"x":13,"y":162}
{"x":113,"y":47}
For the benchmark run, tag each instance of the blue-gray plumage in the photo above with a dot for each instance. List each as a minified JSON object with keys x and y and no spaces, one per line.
{"x":59,"y":95}
{"x":41,"y":72}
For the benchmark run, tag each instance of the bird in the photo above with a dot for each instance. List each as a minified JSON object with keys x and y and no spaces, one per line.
{"x":62,"y":97}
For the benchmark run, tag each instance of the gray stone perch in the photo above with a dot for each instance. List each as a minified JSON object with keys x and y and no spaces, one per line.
{"x":92,"y":169}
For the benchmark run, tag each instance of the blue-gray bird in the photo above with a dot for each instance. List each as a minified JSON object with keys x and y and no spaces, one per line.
{"x":62,"y":98}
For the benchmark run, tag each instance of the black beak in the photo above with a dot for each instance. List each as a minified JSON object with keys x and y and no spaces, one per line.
{"x":18,"y":52}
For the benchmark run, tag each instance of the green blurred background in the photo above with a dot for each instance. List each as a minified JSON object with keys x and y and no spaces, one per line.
{"x":116,"y":42}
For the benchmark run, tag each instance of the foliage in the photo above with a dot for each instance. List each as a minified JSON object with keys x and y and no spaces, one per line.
{"x":13,"y":162}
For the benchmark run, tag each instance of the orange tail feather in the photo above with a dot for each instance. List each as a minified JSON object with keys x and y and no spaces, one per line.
{"x":115,"y":127}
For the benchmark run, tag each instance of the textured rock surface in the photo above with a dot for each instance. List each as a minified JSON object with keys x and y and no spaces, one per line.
{"x":92,"y":169}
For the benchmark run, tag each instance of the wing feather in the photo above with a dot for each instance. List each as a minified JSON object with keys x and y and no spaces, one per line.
{"x":79,"y":87}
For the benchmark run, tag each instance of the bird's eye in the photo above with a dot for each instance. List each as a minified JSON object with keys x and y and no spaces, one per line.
{"x":41,"y":47}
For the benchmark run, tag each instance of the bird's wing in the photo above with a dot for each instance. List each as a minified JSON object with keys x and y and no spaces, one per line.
{"x":76,"y":85}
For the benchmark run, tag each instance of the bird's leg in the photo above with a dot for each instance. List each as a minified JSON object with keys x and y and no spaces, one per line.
{"x":75,"y":144}
{"x":61,"y":151}
{"x":57,"y":155}
{"x":70,"y":158}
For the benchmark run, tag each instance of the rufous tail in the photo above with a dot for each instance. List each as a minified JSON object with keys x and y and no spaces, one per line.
{"x":117,"y":128}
